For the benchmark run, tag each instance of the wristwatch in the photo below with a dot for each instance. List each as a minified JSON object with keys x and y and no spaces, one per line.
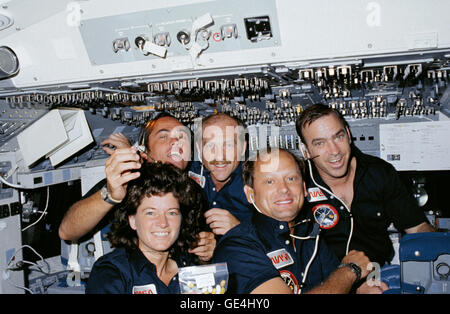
{"x":106,"y":197}
{"x":354,"y":268}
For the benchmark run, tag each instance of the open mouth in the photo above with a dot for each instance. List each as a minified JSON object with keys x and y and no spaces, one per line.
{"x":175,"y":156}
{"x":160,"y":234}
{"x":220,"y":164}
{"x":336,"y":162}
{"x":284,"y":202}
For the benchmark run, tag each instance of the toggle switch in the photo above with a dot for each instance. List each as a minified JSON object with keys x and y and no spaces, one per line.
{"x":147,"y":47}
{"x":228,"y":31}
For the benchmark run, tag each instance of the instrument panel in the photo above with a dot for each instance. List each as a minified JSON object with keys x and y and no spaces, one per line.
{"x":385,"y":68}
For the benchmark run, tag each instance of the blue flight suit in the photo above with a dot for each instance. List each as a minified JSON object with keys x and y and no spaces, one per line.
{"x":230,"y":197}
{"x":258,"y":251}
{"x":125,"y":271}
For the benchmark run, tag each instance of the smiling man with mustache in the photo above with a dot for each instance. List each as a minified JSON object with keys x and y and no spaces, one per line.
{"x":221,"y":142}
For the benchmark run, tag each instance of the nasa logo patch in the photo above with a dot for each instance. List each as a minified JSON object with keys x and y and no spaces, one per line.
{"x":146,"y":289}
{"x":280,"y":258}
{"x":315,"y":195}
{"x":197,"y":178}
{"x":325,"y":215}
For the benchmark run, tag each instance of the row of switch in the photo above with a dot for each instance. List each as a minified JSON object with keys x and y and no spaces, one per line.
{"x":164,"y":39}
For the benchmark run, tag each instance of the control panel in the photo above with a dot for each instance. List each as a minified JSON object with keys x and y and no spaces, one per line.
{"x":385,"y":68}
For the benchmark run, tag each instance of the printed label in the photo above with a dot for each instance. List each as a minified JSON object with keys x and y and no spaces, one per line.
{"x":197,"y":178}
{"x":146,"y":289}
{"x":316,"y":195}
{"x":280,"y":258}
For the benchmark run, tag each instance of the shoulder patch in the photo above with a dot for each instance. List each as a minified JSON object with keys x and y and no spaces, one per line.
{"x":145,"y":289}
{"x":280,"y":258}
{"x":290,"y":280}
{"x":325,"y":215}
{"x":197,"y":178}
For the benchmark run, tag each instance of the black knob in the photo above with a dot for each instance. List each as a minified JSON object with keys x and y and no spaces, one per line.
{"x":184,"y":37}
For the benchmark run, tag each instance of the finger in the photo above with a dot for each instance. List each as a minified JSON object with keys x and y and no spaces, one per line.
{"x":118,"y":187}
{"x":215,"y":211}
{"x":214,"y":218}
{"x":144,"y":156}
{"x":216,"y":224}
{"x":206,"y":256}
{"x":112,"y":139}
{"x":219,"y":216}
{"x":207,"y":241}
{"x":205,"y":259}
{"x":127,"y":177}
{"x":114,"y":173}
{"x":108,"y":150}
{"x":219,"y":230}
{"x":383,"y":286}
{"x":121,"y":154}
{"x":205,"y":235}
{"x":205,"y":253}
{"x":202,"y":250}
{"x":118,"y":157}
{"x":198,"y":250}
{"x":127,"y":166}
{"x":106,"y":142}
{"x":202,"y":241}
{"x":210,"y":220}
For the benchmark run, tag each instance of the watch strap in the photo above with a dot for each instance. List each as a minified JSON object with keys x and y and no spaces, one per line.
{"x":354,"y":268}
{"x":107,"y":197}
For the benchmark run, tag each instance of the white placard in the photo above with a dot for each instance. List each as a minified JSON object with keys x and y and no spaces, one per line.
{"x":416,"y":146}
{"x":205,"y":280}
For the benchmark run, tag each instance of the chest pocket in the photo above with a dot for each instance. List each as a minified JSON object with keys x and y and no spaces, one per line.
{"x":372,"y":216}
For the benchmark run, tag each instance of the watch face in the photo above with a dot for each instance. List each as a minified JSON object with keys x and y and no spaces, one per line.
{"x":104,"y":192}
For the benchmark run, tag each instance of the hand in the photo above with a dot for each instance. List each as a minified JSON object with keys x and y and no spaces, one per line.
{"x":118,"y":169}
{"x":220,"y":220}
{"x":118,"y":140}
{"x":206,"y":243}
{"x":360,"y":259}
{"x":372,"y":287}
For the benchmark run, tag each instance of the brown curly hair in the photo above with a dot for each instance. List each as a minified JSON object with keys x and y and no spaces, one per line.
{"x":160,"y":179}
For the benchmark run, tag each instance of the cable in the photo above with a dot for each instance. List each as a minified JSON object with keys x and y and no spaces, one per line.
{"x":43,"y":212}
{"x":301,"y":238}
{"x":6,"y":275}
{"x":299,"y":223}
{"x":253,"y":202}
{"x":31,"y":248}
{"x":15,"y":186}
{"x":17,"y":286}
{"x":345,"y":205}
{"x":316,"y":246}
{"x":34,"y":264}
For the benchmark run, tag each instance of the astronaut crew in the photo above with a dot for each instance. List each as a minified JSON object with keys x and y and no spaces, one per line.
{"x":224,"y":173}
